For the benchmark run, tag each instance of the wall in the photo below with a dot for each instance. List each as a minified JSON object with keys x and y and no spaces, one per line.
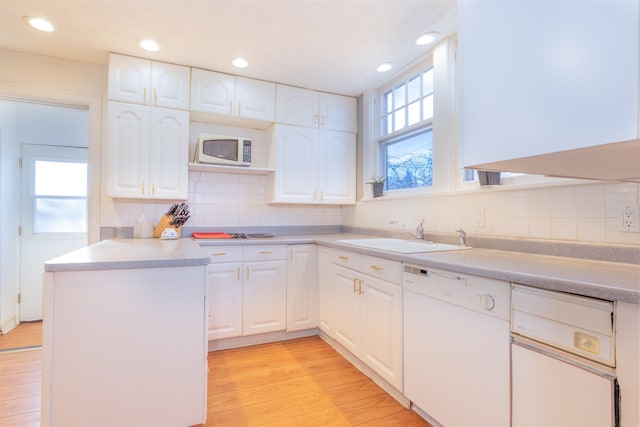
{"x":585,"y":212}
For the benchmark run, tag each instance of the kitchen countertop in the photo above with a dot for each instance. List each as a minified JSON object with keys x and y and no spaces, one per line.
{"x":120,"y":254}
{"x":599,"y":279}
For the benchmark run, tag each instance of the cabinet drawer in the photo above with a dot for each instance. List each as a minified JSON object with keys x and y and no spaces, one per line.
{"x":344,"y":258}
{"x":382,"y":268}
{"x":264,"y":252}
{"x":220,"y":254}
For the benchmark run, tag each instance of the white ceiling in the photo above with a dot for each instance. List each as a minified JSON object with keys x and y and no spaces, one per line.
{"x":327,"y":45}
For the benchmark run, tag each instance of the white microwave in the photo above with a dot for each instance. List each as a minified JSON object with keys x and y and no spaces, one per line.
{"x":223,"y":150}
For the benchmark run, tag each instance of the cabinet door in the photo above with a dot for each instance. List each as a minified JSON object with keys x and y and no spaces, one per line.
{"x":537,"y":90}
{"x":337,"y":112}
{"x":294,"y":154}
{"x":264,"y":297}
{"x":336,"y":167}
{"x":129,"y":79}
{"x":325,"y":291}
{"x":382,"y":329}
{"x":212,"y":92}
{"x":170,"y":85}
{"x":225,"y":300}
{"x":346,"y":306}
{"x":255,"y":99}
{"x":302,"y":287}
{"x":127,"y":164}
{"x":296,"y":106}
{"x":169,"y":154}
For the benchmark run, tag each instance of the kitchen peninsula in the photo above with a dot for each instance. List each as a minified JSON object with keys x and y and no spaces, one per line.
{"x":124,"y":340}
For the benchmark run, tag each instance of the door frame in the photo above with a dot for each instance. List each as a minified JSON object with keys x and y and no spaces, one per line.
{"x":94,"y":104}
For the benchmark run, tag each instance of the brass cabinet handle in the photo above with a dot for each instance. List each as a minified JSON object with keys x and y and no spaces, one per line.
{"x":239,"y":107}
{"x":144,"y":100}
{"x":360,"y":291}
{"x":218,"y":254}
{"x":291,"y":254}
{"x":230,"y":107}
{"x":155,"y":96}
{"x":247,"y":273}
{"x":343,"y":257}
{"x":142,"y":188}
{"x":355,"y":286}
{"x":238,"y":276}
{"x":266,"y":252}
{"x":376,"y":268}
{"x":153,"y":189}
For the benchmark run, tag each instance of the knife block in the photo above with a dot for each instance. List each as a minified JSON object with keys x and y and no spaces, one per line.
{"x":165,"y":222}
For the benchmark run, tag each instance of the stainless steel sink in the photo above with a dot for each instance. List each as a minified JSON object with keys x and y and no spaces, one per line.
{"x":403,"y":246}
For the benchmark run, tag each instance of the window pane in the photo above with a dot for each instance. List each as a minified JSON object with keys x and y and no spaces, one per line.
{"x":60,"y":179}
{"x":399,"y":95}
{"x":427,"y":82}
{"x":399,"y":119}
{"x":427,"y":107}
{"x":414,"y":113}
{"x":409,"y":161}
{"x":414,"y":89}
{"x":59,"y":215}
{"x":386,"y":124}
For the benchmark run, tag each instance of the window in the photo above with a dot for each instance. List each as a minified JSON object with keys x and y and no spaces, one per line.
{"x":60,"y":197}
{"x":405,"y":132}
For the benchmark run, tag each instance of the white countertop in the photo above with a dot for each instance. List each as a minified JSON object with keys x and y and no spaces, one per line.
{"x":600,"y":279}
{"x":120,"y":254}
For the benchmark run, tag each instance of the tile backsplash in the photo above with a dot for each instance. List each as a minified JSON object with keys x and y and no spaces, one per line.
{"x":579,"y":213}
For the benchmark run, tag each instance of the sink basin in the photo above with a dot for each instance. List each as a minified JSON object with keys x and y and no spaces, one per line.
{"x":403,"y":246}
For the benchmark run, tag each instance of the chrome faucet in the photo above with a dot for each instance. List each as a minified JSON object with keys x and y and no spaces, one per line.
{"x":420,"y":230}
{"x":462,"y":236}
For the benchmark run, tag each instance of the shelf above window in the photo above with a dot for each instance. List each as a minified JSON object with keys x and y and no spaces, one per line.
{"x":242,"y":170}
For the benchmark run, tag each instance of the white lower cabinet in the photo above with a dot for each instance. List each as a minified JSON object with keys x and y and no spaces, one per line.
{"x":247,"y":290}
{"x":302,"y":287}
{"x":367,"y":311}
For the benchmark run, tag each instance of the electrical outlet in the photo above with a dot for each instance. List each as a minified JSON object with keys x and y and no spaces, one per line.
{"x":629,"y":220}
{"x":478,"y":218}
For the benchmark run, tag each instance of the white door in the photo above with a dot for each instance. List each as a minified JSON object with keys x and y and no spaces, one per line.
{"x":336,"y":167}
{"x":168,"y":154}
{"x":53,"y":215}
{"x":225,"y":300}
{"x":302,"y":287}
{"x":347,"y":306}
{"x":296,"y":164}
{"x":255,"y":99}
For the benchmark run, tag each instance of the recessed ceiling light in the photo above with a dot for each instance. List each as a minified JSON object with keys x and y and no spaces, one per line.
{"x":427,"y":38}
{"x":149,"y":45}
{"x":383,"y":67}
{"x":240,"y":63}
{"x":39,"y":23}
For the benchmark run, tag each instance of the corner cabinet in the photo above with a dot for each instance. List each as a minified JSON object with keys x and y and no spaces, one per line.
{"x":145,"y":82}
{"x":304,"y":107}
{"x":312,"y":166}
{"x":529,"y":89}
{"x":227,"y":95}
{"x":148,"y":152}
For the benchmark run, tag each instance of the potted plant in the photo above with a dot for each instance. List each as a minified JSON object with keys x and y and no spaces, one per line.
{"x":377,"y":183}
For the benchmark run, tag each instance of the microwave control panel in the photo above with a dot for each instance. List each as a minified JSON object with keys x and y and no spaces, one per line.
{"x":246,"y":151}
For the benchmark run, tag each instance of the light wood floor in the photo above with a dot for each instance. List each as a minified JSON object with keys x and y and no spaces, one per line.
{"x":302,"y":382}
{"x":26,"y":334}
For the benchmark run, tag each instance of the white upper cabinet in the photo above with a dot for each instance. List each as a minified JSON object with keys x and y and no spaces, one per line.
{"x":542,"y":77}
{"x":141,"y":81}
{"x":227,"y":95}
{"x":148,"y":152}
{"x":312,"y":166}
{"x":304,"y":107}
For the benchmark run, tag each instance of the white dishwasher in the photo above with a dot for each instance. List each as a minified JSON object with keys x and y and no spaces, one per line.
{"x":456,"y":347}
{"x":563,"y":359}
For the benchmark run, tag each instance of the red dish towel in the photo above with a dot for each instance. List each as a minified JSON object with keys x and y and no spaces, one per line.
{"x":212,"y":235}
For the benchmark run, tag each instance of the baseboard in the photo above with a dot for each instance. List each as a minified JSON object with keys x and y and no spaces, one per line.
{"x":248,"y":340}
{"x":362,"y":367}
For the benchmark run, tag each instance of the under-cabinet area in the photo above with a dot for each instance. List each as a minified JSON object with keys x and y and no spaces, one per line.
{"x":438,"y":340}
